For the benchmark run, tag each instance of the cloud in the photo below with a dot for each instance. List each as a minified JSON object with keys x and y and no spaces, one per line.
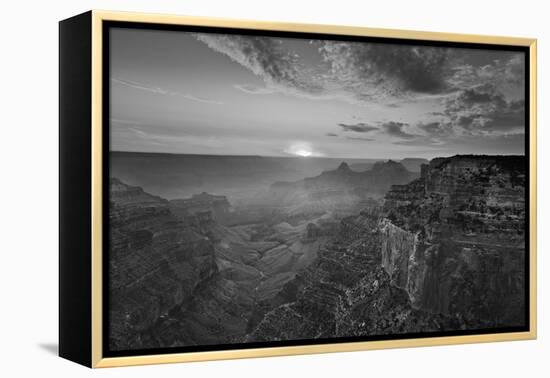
{"x":351,"y":71}
{"x":394,"y":105}
{"x":420,"y":141}
{"x":360,"y":138}
{"x":482,"y":109}
{"x":201,"y":99}
{"x":438,"y":129}
{"x":358,"y":127}
{"x":506,"y":73}
{"x":158,"y":90}
{"x":373,"y":69}
{"x":139,"y":132}
{"x":509,"y":143}
{"x":267,"y":59}
{"x":252,"y":89}
{"x":143,"y":87}
{"x":434,"y":133}
{"x":360,"y":73}
{"x":397,"y":129}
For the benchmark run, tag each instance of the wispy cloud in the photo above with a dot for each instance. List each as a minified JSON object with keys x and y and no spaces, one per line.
{"x":370,"y":70}
{"x":360,"y":127}
{"x":349,"y":71}
{"x":435,"y":129}
{"x":482,"y":109}
{"x":507,"y":73}
{"x":252,"y":89}
{"x":143,"y":87}
{"x":268,"y":59}
{"x":398,"y":129}
{"x":360,"y":138}
{"x":139,"y":132}
{"x":161,"y":91}
{"x":201,"y":99}
{"x":365,"y":73}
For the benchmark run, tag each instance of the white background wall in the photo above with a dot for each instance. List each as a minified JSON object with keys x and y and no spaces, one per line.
{"x":28,"y":211}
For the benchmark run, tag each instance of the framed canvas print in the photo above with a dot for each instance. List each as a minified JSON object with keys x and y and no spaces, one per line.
{"x":235,"y":189}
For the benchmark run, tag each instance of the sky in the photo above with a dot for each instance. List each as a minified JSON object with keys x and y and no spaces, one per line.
{"x":225,"y":94}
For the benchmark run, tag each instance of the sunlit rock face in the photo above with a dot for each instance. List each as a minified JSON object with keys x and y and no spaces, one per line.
{"x":454,"y":239}
{"x":346,"y":293}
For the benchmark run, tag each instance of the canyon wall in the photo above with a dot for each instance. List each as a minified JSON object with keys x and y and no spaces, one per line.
{"x":179,"y":276}
{"x":444,"y":252}
{"x":454,"y":239}
{"x":346,"y":293}
{"x":156,"y":263}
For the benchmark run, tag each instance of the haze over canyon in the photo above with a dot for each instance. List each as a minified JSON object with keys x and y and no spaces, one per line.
{"x":208,"y":250}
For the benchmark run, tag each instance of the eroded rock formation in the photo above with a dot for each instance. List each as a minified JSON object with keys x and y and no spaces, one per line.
{"x":445,"y":252}
{"x":178,"y":277}
{"x":218,"y":206}
{"x":346,"y":293}
{"x":454,"y":239}
{"x":156,"y":262}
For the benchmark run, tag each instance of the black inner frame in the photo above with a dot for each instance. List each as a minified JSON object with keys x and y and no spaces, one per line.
{"x":107,"y":25}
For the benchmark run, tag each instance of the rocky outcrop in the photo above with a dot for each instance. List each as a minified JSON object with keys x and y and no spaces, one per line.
{"x":342,"y":190}
{"x":443,"y":252}
{"x":377,"y":180}
{"x":346,"y":293}
{"x":185,"y":279}
{"x":454,"y":239}
{"x":218,"y":206}
{"x":156,"y":263}
{"x":322,"y":228}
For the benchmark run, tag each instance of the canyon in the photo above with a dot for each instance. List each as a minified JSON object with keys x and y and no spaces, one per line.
{"x":346,"y":253}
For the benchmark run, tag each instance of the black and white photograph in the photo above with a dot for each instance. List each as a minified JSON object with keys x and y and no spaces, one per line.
{"x":281,"y":189}
{"x":275,"y":189}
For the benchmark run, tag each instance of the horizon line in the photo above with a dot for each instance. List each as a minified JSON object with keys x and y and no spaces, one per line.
{"x":308,"y":157}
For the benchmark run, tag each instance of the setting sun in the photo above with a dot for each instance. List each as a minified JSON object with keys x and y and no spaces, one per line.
{"x":304,"y":153}
{"x":303,"y":149}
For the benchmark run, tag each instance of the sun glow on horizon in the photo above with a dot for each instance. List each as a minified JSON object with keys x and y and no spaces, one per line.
{"x":302,"y":149}
{"x":303,"y":153}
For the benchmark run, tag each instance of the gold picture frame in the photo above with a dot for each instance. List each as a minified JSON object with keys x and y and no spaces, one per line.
{"x":93,"y":263}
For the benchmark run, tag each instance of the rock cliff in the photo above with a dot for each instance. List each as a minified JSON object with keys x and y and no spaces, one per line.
{"x":443,"y":252}
{"x":218,"y":206}
{"x":346,"y":293}
{"x":454,"y":239}
{"x":178,"y":277}
{"x":156,"y":263}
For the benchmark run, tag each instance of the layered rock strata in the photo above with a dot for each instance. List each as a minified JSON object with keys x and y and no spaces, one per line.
{"x":346,"y":293}
{"x":156,"y":263}
{"x":454,"y":239}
